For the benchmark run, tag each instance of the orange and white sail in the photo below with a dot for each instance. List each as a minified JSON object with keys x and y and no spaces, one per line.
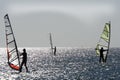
{"x":11,"y":46}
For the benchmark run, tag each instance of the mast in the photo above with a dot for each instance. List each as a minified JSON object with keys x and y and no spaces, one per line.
{"x":109,"y":39}
{"x":109,"y":35}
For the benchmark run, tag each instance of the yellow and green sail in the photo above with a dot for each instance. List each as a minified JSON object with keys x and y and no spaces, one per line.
{"x":104,"y":39}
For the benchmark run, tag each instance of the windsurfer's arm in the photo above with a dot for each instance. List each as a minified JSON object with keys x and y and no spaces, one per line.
{"x":105,"y":50}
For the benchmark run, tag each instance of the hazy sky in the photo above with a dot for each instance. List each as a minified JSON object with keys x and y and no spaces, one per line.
{"x":73,"y":23}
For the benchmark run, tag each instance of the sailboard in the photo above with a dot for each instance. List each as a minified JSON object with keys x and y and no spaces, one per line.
{"x":51,"y":44}
{"x":11,"y":45}
{"x":104,"y":40}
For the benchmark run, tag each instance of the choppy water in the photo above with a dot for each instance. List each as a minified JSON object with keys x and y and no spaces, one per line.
{"x":68,"y":64}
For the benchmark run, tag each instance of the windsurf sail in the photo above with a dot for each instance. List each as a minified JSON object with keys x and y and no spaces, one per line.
{"x":12,"y":50}
{"x":104,"y":40}
{"x":51,"y":44}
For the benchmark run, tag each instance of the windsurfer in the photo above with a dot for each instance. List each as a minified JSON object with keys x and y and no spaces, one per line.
{"x":24,"y":60}
{"x":55,"y":50}
{"x":102,"y":59}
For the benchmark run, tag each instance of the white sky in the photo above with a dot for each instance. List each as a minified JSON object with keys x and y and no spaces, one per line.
{"x":73,"y":23}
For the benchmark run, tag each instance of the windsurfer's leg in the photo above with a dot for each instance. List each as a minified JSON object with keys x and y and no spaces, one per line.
{"x":26,"y":66}
{"x":103,"y":60}
{"x":54,"y":53}
{"x":21,"y":66}
{"x":26,"y":69}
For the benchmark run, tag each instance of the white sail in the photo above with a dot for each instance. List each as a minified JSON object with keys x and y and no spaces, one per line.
{"x":12,"y":50}
{"x":51,"y":44}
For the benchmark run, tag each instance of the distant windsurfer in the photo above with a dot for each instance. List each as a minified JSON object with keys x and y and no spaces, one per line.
{"x":55,"y":50}
{"x":24,"y":60}
{"x":102,"y":59}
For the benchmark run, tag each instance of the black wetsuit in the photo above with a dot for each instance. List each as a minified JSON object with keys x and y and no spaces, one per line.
{"x":101,"y":55}
{"x":55,"y":51}
{"x":24,"y":61}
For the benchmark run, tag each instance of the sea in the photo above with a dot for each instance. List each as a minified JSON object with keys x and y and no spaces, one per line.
{"x":70,"y":63}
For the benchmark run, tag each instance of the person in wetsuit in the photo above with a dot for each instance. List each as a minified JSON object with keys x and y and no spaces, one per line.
{"x":55,"y":51}
{"x":24,"y":61}
{"x":102,"y":55}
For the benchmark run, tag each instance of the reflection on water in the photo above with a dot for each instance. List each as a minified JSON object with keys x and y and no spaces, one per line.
{"x":68,"y":64}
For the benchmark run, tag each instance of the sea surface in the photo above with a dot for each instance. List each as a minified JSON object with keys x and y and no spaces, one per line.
{"x":68,"y":64}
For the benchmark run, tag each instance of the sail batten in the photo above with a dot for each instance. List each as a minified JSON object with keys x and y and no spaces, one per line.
{"x":12,"y":50}
{"x":9,"y":34}
{"x":10,"y":42}
{"x":104,"y":39}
